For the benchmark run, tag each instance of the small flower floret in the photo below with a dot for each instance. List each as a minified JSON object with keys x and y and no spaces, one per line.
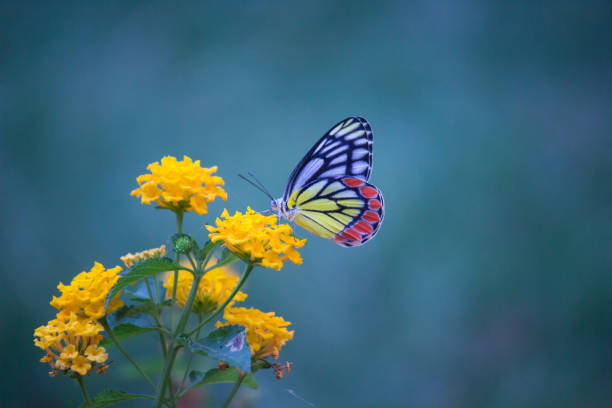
{"x":130,"y":259}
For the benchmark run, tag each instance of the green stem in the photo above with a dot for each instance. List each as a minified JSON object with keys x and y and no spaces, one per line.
{"x":245,"y":275}
{"x":110,"y":334}
{"x":79,"y":379}
{"x":173,"y":350}
{"x":156,"y":315}
{"x":159,"y":300}
{"x":190,"y":359}
{"x":179,"y":220}
{"x":237,"y":385}
{"x":179,"y":226}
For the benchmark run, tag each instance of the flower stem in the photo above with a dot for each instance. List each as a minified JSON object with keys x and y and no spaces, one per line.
{"x":179,"y":226}
{"x":79,"y":379}
{"x":243,"y":278}
{"x":156,"y":315}
{"x":237,"y":385}
{"x":179,"y":220}
{"x":190,"y":360}
{"x":110,"y":333}
{"x":173,"y":350}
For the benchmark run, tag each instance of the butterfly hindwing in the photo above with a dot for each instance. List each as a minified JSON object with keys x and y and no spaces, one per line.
{"x":345,"y":209}
{"x":345,"y":150}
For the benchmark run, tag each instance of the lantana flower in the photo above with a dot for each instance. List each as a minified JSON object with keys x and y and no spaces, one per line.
{"x":215,"y":286}
{"x":71,"y":344}
{"x":257,"y":238}
{"x":180,"y":185}
{"x":86,"y":294}
{"x":266,"y":333}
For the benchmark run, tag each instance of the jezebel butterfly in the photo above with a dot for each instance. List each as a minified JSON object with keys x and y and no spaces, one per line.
{"x":328,"y":192}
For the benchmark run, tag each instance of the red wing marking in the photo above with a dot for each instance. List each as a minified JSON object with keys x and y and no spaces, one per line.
{"x":339,"y":239}
{"x":371,"y":216}
{"x":352,"y":182}
{"x":363,"y":227}
{"x":368,"y":192}
{"x":351,"y":235}
{"x":374,"y":204}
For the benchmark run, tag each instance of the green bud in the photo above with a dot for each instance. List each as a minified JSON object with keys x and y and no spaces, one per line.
{"x":182,"y":243}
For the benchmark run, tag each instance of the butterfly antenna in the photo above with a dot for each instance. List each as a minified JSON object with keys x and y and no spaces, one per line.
{"x":260,"y":184}
{"x":257,"y":186}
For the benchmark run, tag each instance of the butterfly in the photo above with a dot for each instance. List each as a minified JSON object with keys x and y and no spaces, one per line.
{"x":328,"y":193}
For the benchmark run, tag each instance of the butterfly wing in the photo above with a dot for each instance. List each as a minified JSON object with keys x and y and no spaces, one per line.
{"x":345,"y":209}
{"x":345,"y":150}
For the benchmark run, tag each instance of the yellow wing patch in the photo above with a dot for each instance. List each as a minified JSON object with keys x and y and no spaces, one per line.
{"x":321,"y":204}
{"x":313,"y":227}
{"x":345,"y":219}
{"x":351,"y":203}
{"x":300,"y":196}
{"x":353,"y":212}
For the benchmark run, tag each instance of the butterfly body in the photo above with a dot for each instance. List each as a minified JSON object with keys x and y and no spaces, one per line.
{"x":328,"y":193}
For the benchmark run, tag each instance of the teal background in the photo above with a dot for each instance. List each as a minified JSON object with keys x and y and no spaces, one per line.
{"x":489,"y":283}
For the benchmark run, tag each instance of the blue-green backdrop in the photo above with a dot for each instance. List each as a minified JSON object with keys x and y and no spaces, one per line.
{"x":489,"y":283}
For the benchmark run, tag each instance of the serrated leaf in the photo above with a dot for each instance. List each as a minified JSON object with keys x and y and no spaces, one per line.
{"x":142,"y":270}
{"x":111,"y":397}
{"x":217,"y":376}
{"x":227,"y":343}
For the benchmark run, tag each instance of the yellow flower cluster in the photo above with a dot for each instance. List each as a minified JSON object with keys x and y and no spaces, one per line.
{"x":71,"y":344}
{"x":215,"y":287}
{"x":132,"y":259}
{"x":182,"y":184}
{"x":266,"y":333}
{"x":86,"y":294}
{"x":71,"y":339}
{"x":258,"y":238}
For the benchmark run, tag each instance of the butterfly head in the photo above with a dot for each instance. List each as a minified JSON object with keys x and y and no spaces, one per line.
{"x":275,"y":204}
{"x":280,"y":208}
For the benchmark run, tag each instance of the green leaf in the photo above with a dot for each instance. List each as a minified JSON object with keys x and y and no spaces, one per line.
{"x":111,"y":397}
{"x":217,"y":376}
{"x":131,"y":315}
{"x":227,"y":343}
{"x":124,"y":331}
{"x":142,"y":270}
{"x":124,"y":312}
{"x":129,"y":321}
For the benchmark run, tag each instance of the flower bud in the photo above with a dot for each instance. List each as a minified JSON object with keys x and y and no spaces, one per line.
{"x":182,"y":243}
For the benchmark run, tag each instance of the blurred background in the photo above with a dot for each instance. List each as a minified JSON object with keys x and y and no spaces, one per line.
{"x":489,"y":284}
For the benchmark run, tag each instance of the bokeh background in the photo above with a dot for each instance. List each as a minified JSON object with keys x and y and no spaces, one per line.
{"x":489,"y":284}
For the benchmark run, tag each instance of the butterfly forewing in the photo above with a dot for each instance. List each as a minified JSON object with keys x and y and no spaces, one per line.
{"x":345,"y":209}
{"x":345,"y":150}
